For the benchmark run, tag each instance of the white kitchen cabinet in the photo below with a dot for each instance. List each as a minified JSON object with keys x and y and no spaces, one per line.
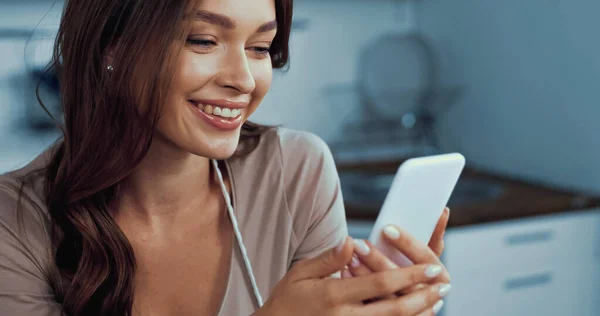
{"x":594,"y":279}
{"x":540,"y":266}
{"x":561,"y":237}
{"x":548,"y":290}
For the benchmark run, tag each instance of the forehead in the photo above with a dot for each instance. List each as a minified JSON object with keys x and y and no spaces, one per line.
{"x":242,"y":12}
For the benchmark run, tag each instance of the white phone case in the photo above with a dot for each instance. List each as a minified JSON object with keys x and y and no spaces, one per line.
{"x":419,"y":192}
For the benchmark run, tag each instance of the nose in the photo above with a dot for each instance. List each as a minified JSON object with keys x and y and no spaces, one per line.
{"x":236,"y":73}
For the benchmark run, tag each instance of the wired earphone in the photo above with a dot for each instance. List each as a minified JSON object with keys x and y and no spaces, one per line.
{"x":238,"y":234}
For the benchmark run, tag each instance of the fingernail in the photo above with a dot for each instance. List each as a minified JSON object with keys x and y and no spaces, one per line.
{"x":433,"y":271}
{"x":444,"y":289}
{"x":438,"y":306}
{"x":346,"y":274}
{"x":339,"y":247}
{"x":355,"y":263}
{"x":448,"y":209}
{"x":391,"y":232}
{"x":361,"y":247}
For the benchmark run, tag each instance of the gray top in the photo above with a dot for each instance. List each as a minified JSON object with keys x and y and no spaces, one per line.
{"x":287,"y":200}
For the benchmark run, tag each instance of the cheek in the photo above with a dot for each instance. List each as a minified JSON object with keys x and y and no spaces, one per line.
{"x":189,"y":74}
{"x":192,"y":72}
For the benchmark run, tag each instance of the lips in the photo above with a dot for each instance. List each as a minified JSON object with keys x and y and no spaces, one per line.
{"x":220,"y":117}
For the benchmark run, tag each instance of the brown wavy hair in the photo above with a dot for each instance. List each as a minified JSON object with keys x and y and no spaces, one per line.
{"x":109,"y":120}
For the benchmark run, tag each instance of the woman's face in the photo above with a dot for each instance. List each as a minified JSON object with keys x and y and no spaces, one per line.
{"x":221,"y":76}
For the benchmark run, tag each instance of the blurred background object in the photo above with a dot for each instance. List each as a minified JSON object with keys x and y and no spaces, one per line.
{"x":512,"y":85}
{"x":27,"y":33}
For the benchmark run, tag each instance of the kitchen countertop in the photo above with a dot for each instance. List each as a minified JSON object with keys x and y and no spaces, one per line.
{"x":518,"y":199}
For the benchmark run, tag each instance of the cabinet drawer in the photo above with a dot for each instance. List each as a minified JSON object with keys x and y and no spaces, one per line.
{"x":558,"y":238}
{"x":559,"y":290}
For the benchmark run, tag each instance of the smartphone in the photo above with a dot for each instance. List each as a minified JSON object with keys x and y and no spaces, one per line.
{"x":417,"y":197}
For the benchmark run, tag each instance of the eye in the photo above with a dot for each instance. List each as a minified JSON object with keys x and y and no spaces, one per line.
{"x":202,"y":43}
{"x":261,"y":51}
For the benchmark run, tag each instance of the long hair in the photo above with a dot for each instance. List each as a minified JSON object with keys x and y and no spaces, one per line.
{"x":109,"y":119}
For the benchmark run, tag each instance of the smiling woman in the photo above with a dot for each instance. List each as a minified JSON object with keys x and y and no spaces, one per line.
{"x":161,"y":198}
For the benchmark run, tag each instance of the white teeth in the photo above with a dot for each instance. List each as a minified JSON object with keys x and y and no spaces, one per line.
{"x":222,"y":112}
{"x":226,"y":112}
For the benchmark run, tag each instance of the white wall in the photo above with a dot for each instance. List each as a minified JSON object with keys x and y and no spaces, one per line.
{"x":324,"y":55}
{"x":19,"y":52}
{"x":532,"y":74}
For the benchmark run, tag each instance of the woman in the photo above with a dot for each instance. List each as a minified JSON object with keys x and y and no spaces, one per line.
{"x":162,"y":199}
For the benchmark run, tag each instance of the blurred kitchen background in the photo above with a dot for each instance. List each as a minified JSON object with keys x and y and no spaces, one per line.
{"x":512,"y":85}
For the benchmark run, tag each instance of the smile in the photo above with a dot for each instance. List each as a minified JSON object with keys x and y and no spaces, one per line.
{"x":221,"y":112}
{"x":221,"y":117}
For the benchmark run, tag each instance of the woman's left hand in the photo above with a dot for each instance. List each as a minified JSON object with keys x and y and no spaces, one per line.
{"x":436,"y":243}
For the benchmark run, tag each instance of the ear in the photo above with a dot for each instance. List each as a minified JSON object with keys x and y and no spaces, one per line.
{"x":109,"y":58}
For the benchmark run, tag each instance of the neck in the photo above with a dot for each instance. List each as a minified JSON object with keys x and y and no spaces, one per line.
{"x":166,"y":184}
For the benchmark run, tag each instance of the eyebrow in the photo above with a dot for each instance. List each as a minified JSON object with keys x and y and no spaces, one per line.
{"x":227,"y":23}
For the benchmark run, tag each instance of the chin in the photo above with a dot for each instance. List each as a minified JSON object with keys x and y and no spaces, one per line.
{"x":221,"y":148}
{"x":221,"y":154}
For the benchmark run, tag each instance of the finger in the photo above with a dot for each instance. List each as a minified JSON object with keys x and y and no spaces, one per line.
{"x":436,"y":242}
{"x":381,"y":284}
{"x":417,"y":303}
{"x":411,"y":289}
{"x":371,"y":257}
{"x":346,"y":274}
{"x":368,"y":259}
{"x":439,"y":249}
{"x":322,"y":266}
{"x":433,"y":310}
{"x":358,"y":268}
{"x":376,"y":261}
{"x":413,"y":249}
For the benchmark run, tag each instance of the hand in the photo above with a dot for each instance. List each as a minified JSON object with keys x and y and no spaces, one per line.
{"x":369,"y":259}
{"x":436,"y":243}
{"x":378,"y":262}
{"x":307,"y":290}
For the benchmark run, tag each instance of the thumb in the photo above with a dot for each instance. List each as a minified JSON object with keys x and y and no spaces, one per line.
{"x":330,"y":261}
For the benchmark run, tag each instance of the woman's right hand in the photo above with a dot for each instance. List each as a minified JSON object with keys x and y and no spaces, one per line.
{"x":307,"y":289}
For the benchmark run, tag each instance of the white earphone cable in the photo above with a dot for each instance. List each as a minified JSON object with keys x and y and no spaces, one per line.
{"x":238,"y":234}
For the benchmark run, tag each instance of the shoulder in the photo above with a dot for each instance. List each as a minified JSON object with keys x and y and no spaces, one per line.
{"x":10,"y":188}
{"x":297,"y":149}
{"x":312,"y":190}
{"x":23,"y":190}
{"x":23,"y":214}
{"x":307,"y":172}
{"x":295,"y":164}
{"x":26,"y":263}
{"x":286,"y":152}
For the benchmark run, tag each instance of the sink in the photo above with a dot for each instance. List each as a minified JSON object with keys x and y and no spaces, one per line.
{"x":369,"y":190}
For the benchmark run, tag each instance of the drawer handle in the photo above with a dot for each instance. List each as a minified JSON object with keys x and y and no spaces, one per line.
{"x":528,"y":281}
{"x":526,"y":238}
